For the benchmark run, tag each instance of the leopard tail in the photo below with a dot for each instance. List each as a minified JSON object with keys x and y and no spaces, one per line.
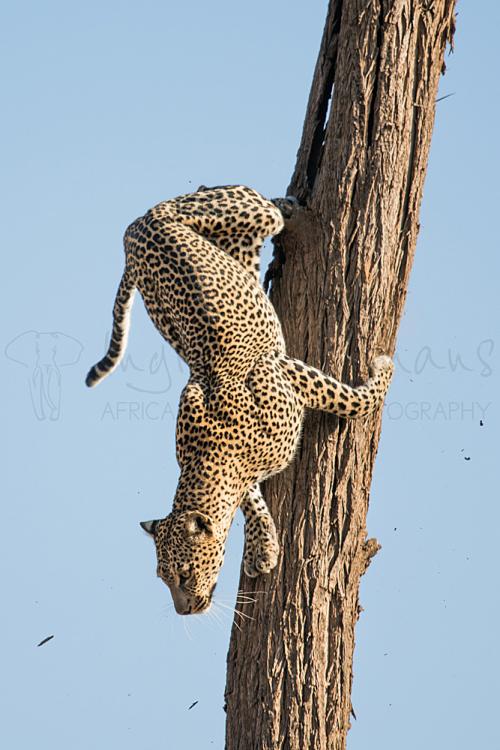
{"x":121,"y":324}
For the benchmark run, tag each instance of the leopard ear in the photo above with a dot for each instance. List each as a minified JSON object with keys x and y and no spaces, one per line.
{"x":149,"y":526}
{"x":197,"y":523}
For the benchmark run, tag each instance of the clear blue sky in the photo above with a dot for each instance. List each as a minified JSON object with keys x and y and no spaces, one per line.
{"x":109,"y":108}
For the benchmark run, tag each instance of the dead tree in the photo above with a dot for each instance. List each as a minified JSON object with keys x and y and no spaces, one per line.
{"x":340,"y":274}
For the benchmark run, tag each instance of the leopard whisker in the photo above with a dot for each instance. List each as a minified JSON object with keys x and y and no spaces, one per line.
{"x":215,"y":614}
{"x":243,"y":614}
{"x":230,"y":609}
{"x":236,"y":611}
{"x":237,"y":626}
{"x":207,"y":616}
{"x":239,"y":600}
{"x":184,"y":626}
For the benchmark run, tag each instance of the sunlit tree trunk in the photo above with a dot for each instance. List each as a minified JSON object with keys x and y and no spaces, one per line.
{"x":339,"y":281}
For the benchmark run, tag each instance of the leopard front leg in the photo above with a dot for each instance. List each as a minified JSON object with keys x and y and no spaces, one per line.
{"x":261,"y":541}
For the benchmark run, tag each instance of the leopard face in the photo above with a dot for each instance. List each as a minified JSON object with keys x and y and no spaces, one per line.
{"x":189,"y":555}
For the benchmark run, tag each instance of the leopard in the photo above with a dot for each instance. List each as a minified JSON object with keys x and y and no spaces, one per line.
{"x":195,"y":261}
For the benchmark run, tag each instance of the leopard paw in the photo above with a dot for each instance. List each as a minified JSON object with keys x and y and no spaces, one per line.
{"x":287,"y":205}
{"x":261,"y":546}
{"x":381,"y":364}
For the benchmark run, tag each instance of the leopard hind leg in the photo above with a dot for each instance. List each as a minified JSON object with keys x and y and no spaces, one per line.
{"x":322,"y":392}
{"x":235,"y":218}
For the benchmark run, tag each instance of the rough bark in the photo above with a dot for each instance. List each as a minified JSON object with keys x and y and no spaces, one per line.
{"x":340,"y":294}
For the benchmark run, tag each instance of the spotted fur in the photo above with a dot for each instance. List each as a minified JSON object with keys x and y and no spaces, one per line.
{"x":195,"y":262}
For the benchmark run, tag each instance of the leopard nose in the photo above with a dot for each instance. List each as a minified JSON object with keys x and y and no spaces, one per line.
{"x":181,"y":602}
{"x":182,"y":608}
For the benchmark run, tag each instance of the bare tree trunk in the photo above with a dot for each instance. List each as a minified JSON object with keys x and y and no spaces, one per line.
{"x":360,"y":173}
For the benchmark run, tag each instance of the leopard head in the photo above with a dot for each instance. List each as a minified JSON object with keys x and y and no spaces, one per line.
{"x":189,"y":553}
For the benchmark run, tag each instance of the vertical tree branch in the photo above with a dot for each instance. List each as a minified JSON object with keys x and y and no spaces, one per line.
{"x":339,"y":294}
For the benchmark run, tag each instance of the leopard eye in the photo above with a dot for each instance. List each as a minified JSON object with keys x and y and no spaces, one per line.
{"x":162,"y":572}
{"x":184,"y":575}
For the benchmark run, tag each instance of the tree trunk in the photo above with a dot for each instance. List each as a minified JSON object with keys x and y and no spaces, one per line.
{"x":359,"y":174}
